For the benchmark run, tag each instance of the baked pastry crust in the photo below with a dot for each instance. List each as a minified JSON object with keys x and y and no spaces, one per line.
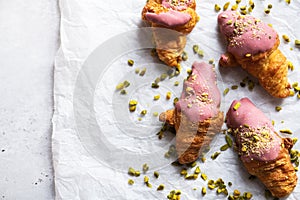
{"x":268,"y":65}
{"x":170,"y":45}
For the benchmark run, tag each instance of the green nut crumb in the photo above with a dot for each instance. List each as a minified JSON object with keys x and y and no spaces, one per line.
{"x":156,"y":174}
{"x":143,"y":112}
{"x":130,"y":62}
{"x":225,"y":7}
{"x":160,"y":187}
{"x":217,"y":7}
{"x":130,"y":182}
{"x":278,"y":108}
{"x":156,"y":97}
{"x":168,"y":95}
{"x":226,"y":91}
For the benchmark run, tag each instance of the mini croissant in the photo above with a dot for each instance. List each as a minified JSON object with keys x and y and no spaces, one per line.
{"x":254,"y":45}
{"x":196,"y":117}
{"x":262,"y":151}
{"x":176,"y":15}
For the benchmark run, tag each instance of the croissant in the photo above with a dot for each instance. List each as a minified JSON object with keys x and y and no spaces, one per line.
{"x":179,"y":17}
{"x":196,"y":116}
{"x":254,"y":45}
{"x":262,"y":151}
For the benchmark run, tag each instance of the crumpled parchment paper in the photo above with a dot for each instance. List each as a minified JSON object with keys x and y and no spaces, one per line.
{"x":96,"y":139}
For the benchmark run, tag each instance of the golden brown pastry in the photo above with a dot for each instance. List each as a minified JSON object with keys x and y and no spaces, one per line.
{"x":177,"y":15}
{"x":254,"y":45}
{"x":196,"y":116}
{"x":262,"y":151}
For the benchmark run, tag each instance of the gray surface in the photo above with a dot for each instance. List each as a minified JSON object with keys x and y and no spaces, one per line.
{"x":28,"y":43}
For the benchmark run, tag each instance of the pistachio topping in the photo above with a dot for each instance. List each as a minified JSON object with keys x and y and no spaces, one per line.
{"x":226,"y":5}
{"x":236,"y":106}
{"x":130,"y":62}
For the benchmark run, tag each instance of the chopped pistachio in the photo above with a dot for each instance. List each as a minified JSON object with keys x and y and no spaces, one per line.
{"x":137,"y":173}
{"x":191,"y":176}
{"x":120,"y":86}
{"x":140,"y":119}
{"x":146,"y":179}
{"x":183,"y":172}
{"x":234,"y":87}
{"x":215,"y":155}
{"x":217,"y":7}
{"x":193,"y":164}
{"x":168,"y":95}
{"x":286,"y":38}
{"x":238,"y":1}
{"x":295,"y":84}
{"x":145,"y":167}
{"x":270,"y":6}
{"x":155,"y":114}
{"x":132,"y":108}
{"x":123,"y":92}
{"x":236,"y":106}
{"x":126,"y":83}
{"x":130,"y":62}
{"x":228,"y":140}
{"x":224,"y":147}
{"x":149,"y":185}
{"x":288,"y":1}
{"x":226,"y":91}
{"x":297,"y":42}
{"x":195,"y":48}
{"x":203,"y":191}
{"x":143,"y":112}
{"x":184,"y":56}
{"x":295,"y":140}
{"x":267,"y":11}
{"x":133,"y":102}
{"x":247,"y":195}
{"x":236,"y":193}
{"x":156,"y":174}
{"x":290,"y":65}
{"x":130,"y":182}
{"x":156,"y":97}
{"x":176,"y":83}
{"x":234,"y":7}
{"x":154,"y":85}
{"x":200,"y":53}
{"x":137,"y":70}
{"x":160,"y":187}
{"x":298,"y":95}
{"x":225,"y":7}
{"x":243,"y":8}
{"x":175,"y":100}
{"x":131,"y":171}
{"x":204,"y":176}
{"x":142,"y":73}
{"x":278,"y":108}
{"x":229,"y":184}
{"x":197,"y":170}
{"x":203,"y":159}
{"x":287,"y":131}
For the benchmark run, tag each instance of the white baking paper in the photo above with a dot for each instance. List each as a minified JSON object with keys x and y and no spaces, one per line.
{"x":96,"y":139}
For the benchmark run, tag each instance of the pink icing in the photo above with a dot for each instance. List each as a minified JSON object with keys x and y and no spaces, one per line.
{"x":246,"y":34}
{"x":200,"y":98}
{"x":177,"y":4}
{"x":250,"y":121}
{"x":170,"y":19}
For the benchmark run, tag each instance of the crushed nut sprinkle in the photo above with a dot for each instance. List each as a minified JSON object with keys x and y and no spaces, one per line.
{"x":254,"y":140}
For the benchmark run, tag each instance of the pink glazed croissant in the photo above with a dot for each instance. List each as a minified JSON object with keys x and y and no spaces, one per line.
{"x":262,"y":151}
{"x":254,"y":45}
{"x":177,"y":15}
{"x":196,"y":116}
